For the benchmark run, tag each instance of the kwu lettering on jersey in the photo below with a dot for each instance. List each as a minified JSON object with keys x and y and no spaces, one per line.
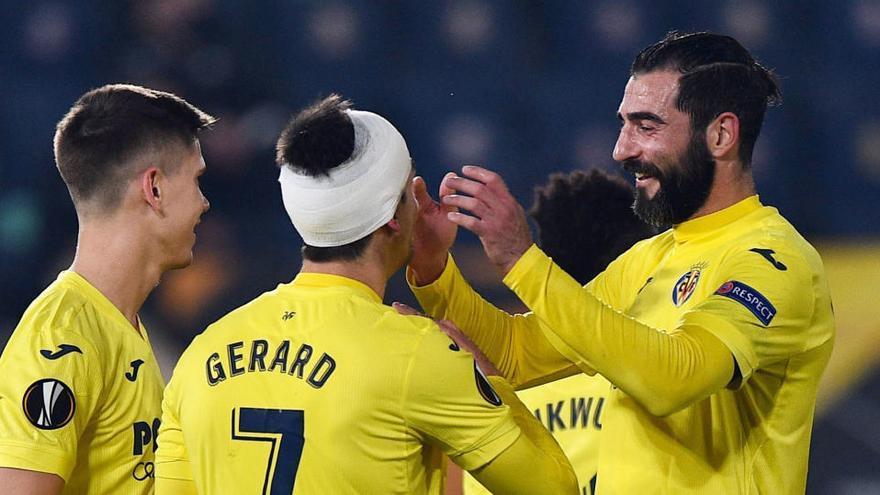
{"x":264,"y":357}
{"x":577,"y":412}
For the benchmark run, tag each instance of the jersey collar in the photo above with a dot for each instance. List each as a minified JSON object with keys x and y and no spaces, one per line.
{"x":691,"y":229}
{"x":100,"y":300}
{"x":323,"y":280}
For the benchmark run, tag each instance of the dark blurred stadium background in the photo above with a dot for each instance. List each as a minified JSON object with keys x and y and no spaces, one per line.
{"x":525,"y":88}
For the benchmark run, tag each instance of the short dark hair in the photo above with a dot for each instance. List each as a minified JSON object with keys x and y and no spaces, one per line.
{"x":717,"y":75}
{"x":110,"y":126}
{"x":585,"y":221}
{"x":316,"y":140}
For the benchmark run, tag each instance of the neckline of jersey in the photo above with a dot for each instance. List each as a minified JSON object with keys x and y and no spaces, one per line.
{"x":691,"y":229}
{"x":322,"y":280}
{"x":100,"y":300}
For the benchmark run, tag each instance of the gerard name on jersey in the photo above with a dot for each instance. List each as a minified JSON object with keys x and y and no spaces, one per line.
{"x":262,"y":356}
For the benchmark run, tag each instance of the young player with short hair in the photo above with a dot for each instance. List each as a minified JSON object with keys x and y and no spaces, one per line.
{"x":81,"y":393}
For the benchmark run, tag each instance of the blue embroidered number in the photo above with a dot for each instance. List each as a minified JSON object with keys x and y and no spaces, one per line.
{"x":284,"y":429}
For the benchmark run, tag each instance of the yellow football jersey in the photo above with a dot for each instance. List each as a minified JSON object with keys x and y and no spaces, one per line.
{"x":317,"y":387}
{"x":571,"y":409}
{"x":81,"y":393}
{"x":745,"y":275}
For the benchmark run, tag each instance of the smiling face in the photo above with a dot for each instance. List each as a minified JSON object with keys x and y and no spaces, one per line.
{"x":184,"y":206}
{"x":673,"y":167}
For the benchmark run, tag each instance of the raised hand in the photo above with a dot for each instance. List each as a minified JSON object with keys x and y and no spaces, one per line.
{"x":496,"y":217}
{"x":433,"y":234}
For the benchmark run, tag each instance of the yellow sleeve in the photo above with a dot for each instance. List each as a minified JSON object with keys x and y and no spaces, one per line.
{"x":576,"y":427}
{"x":767,"y":308}
{"x":534,"y":463}
{"x":173,"y":468}
{"x":663,"y":371}
{"x":51,"y":384}
{"x":516,"y":344}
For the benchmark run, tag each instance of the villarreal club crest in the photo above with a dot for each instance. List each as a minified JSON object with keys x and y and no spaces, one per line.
{"x":687,"y":284}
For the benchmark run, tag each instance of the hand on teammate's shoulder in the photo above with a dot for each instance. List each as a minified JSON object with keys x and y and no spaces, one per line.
{"x":457,"y":336}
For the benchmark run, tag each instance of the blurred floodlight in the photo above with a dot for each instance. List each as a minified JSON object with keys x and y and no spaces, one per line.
{"x":618,"y":24}
{"x":868,"y":150}
{"x":469,"y":26}
{"x":20,"y":220}
{"x":866,"y":21}
{"x":467,"y":139}
{"x":334,"y":30}
{"x":48,"y":31}
{"x":749,"y":22}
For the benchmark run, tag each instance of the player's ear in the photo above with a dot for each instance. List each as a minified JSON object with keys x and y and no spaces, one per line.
{"x":394,"y":225}
{"x":151,"y":189}
{"x":722,"y":135}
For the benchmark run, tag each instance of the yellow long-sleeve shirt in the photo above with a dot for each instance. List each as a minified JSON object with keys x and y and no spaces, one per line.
{"x":661,"y":323}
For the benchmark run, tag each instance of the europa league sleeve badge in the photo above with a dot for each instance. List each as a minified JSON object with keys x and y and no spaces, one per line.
{"x":49,"y":404}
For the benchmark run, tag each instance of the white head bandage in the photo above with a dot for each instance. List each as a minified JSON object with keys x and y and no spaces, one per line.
{"x":360,"y":195}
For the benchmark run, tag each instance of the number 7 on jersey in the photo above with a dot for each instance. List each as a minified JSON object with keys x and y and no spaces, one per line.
{"x":284,"y":430}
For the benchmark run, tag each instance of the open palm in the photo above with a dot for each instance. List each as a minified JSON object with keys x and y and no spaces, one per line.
{"x":433,"y":234}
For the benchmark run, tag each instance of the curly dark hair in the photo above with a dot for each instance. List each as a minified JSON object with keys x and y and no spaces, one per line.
{"x":585,"y":221}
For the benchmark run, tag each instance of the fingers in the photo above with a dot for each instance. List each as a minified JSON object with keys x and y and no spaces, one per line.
{"x":459,"y":337}
{"x":486,"y":176}
{"x":476,"y":180}
{"x":445,"y":190}
{"x":480,"y":183}
{"x":473,"y":224}
{"x":454,"y":333}
{"x":473,"y":205}
{"x":467,"y":186}
{"x":424,"y":199}
{"x":447,"y":326}
{"x":404,"y":309}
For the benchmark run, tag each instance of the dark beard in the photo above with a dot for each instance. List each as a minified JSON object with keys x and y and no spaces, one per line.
{"x":684,"y":187}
